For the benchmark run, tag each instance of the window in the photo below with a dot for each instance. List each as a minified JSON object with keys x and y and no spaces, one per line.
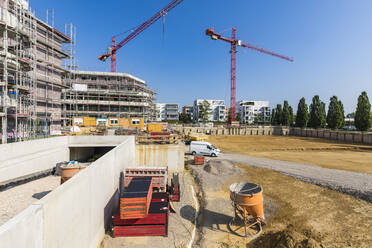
{"x":135,"y":121}
{"x":114,"y":121}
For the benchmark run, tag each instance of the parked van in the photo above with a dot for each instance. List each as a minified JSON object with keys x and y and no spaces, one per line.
{"x":203,"y":148}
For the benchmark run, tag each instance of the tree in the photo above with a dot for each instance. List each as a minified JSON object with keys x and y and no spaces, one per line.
{"x":363,"y":113}
{"x":185,"y":118}
{"x":317,"y":113}
{"x":204,"y":111}
{"x":335,"y":116}
{"x":286,"y":115}
{"x":343,"y":113}
{"x":259,"y":118}
{"x":302,"y":116}
{"x":278,"y":115}
{"x":238,"y":117}
{"x":273,"y":116}
{"x":291,"y":117}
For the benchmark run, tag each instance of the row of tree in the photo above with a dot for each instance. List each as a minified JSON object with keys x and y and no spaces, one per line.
{"x":316,"y":117}
{"x":282,"y":115}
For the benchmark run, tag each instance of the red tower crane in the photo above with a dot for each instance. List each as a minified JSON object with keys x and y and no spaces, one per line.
{"x":114,"y":48}
{"x":234,"y":43}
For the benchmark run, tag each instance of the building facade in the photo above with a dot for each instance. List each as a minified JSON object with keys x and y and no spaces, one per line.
{"x":217,"y":110}
{"x":254,"y":111}
{"x":167,"y":111}
{"x":30,"y":72}
{"x":106,"y":94}
{"x":188,"y":110}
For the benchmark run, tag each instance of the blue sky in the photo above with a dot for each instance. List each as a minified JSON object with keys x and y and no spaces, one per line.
{"x":330,"y":40}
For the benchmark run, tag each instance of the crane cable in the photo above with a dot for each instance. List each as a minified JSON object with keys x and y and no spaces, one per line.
{"x":163,"y":34}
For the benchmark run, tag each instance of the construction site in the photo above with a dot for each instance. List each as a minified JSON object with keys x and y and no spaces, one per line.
{"x":84,"y":163}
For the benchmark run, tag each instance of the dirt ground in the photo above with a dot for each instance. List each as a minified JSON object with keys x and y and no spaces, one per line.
{"x":181,"y":224}
{"x":298,"y":214}
{"x":313,"y":151}
{"x":216,"y":211}
{"x":310,"y":216}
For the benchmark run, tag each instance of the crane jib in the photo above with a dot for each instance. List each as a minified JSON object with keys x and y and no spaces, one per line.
{"x":136,"y":32}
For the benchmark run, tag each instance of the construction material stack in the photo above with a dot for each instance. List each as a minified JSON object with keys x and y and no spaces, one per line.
{"x":174,"y":190}
{"x":136,"y":198}
{"x":144,"y":203}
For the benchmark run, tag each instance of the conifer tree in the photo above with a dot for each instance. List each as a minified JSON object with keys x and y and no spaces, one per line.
{"x":363,"y":113}
{"x":302,"y":116}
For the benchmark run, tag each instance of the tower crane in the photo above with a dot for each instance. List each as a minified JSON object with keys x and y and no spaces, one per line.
{"x":234,"y":43}
{"x":115,"y":47}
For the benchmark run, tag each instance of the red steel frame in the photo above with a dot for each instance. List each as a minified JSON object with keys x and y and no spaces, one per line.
{"x":140,"y":29}
{"x":233,"y":77}
{"x":234,"y":43}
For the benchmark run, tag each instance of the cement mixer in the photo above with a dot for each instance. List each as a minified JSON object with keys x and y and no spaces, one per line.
{"x":247,"y":200}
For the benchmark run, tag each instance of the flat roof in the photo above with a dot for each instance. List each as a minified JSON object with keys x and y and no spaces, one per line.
{"x":115,"y":74}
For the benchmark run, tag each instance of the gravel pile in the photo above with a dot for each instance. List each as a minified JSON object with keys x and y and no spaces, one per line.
{"x":216,"y":173}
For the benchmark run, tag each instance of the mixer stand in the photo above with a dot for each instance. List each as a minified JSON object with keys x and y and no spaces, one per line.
{"x":244,"y":221}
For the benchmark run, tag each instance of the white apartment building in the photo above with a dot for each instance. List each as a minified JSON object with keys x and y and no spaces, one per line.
{"x":250,"y":111}
{"x":167,"y":111}
{"x":218,"y":110}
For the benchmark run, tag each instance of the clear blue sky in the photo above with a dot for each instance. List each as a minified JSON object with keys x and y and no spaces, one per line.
{"x":330,"y":40}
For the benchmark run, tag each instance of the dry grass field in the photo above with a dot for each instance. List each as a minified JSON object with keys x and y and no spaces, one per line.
{"x":313,"y":151}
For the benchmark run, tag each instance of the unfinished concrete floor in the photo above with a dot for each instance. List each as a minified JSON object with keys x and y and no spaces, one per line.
{"x":18,"y":198}
{"x":180,"y":224}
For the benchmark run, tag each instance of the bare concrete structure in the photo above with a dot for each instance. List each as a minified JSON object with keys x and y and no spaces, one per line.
{"x":106,"y":94}
{"x":30,"y":73}
{"x":63,"y":212}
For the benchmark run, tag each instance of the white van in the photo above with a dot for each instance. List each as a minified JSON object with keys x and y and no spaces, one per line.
{"x":203,"y":148}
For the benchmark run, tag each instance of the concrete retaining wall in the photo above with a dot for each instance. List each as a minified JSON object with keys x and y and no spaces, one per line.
{"x":341,"y":136}
{"x":76,"y":213}
{"x":25,"y":158}
{"x":172,"y":156}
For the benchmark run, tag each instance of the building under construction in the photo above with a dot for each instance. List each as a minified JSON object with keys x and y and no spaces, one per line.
{"x":106,"y":94}
{"x":30,"y":73}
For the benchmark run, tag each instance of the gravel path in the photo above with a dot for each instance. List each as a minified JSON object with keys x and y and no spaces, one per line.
{"x":18,"y":198}
{"x":353,"y":183}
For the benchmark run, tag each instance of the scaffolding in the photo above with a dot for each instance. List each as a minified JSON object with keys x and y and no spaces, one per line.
{"x":31,"y":72}
{"x":70,"y":78}
{"x":18,"y":62}
{"x":107,"y":94}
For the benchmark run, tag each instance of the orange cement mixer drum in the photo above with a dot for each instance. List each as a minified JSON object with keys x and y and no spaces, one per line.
{"x":249,"y":197}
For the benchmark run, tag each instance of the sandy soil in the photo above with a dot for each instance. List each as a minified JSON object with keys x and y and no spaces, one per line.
{"x":313,"y":151}
{"x":298,"y":214}
{"x":180,"y":224}
{"x":214,"y":180}
{"x":18,"y":198}
{"x":311,"y":215}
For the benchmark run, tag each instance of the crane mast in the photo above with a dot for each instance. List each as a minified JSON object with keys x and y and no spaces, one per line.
{"x":114,"y":48}
{"x":234,"y":43}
